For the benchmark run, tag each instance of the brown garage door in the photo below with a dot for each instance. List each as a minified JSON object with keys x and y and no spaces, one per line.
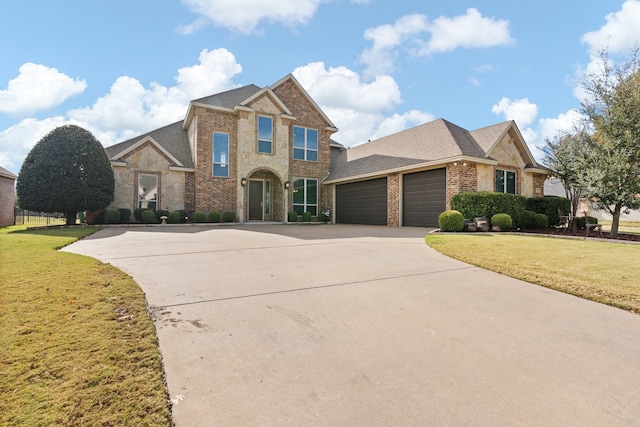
{"x":363,"y":202}
{"x":424,"y":197}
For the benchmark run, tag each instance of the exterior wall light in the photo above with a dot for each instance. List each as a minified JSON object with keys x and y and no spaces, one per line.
{"x":287,"y":184}
{"x":243,"y":181}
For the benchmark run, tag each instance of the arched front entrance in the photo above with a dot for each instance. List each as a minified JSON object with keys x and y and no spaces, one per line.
{"x":264,"y":197}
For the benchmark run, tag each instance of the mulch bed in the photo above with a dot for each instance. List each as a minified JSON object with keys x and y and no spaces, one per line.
{"x":580,"y":233}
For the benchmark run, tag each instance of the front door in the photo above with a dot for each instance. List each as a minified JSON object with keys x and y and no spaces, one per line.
{"x":255,"y":200}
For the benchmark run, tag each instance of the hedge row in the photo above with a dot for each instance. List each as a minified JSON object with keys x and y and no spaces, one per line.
{"x":521,"y":209}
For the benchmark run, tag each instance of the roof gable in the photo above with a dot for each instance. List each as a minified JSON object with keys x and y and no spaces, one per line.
{"x":294,"y":81}
{"x":170,"y":140}
{"x":490,"y":137}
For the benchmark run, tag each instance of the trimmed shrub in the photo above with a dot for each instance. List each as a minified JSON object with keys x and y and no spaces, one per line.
{"x":526,"y":219}
{"x":174,"y":217}
{"x":306,"y":217}
{"x":214,"y":216}
{"x":148,"y":217}
{"x":229,"y":216}
{"x":502,"y":220}
{"x":137,"y":214}
{"x":111,"y":216}
{"x":582,"y":221}
{"x":451,"y":220}
{"x":200,"y":217}
{"x":549,"y":206}
{"x":322,"y":217}
{"x":125,"y":215}
{"x":540,"y":221}
{"x":184,"y":216}
{"x":485,"y":203}
{"x":292,"y":216}
{"x":160,"y":213}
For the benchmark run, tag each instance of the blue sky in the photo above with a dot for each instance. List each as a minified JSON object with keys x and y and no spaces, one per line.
{"x":120,"y":68}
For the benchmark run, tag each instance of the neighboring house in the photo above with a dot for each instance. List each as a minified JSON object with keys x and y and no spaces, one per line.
{"x":408,"y":178}
{"x":262,"y":152}
{"x":7,"y":197}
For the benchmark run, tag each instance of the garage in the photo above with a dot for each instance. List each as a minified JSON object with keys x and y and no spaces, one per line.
{"x":363,"y":202}
{"x":424,"y":197}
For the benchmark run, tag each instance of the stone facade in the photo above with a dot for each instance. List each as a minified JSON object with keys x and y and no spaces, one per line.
{"x":393,"y":200}
{"x":148,"y":159}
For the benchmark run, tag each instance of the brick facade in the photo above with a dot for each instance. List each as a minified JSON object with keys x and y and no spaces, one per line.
{"x":7,"y":200}
{"x":307,"y":116}
{"x":215,"y":193}
{"x":461,"y":177}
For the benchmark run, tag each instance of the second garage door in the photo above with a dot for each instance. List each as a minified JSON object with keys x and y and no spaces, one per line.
{"x":363,"y":202}
{"x":424,"y":197}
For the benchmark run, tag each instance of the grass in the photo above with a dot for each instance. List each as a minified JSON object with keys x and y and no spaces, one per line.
{"x":598,"y":271}
{"x":624,"y":226}
{"x":78,"y":346}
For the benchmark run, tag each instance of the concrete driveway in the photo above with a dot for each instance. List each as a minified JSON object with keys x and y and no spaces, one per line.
{"x":367,"y":326}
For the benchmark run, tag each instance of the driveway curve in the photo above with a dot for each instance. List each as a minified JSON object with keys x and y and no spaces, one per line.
{"x":367,"y":326}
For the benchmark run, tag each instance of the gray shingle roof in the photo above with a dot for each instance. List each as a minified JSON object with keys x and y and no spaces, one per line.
{"x":172,"y":138}
{"x":230,"y":98}
{"x":428,"y":142}
{"x":435,"y":140}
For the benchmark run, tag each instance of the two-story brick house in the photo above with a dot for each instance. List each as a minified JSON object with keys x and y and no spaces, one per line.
{"x":259,"y":152}
{"x":262,"y":152}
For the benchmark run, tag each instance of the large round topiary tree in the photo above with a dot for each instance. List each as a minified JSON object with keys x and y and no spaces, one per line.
{"x":67,"y":171}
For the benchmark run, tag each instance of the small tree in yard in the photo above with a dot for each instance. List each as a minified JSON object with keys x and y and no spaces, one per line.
{"x":563,"y":155}
{"x":66,"y":171}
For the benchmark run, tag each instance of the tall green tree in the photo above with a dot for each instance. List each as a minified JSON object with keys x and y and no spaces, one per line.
{"x":612,"y":109}
{"x":67,"y":171}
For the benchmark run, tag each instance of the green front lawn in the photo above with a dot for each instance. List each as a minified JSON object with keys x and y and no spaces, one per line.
{"x":77,"y":345}
{"x":599,"y":271}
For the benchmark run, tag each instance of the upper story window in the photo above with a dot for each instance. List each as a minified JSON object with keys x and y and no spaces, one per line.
{"x":305,"y":144}
{"x":265,"y":135}
{"x":221,"y":154}
{"x":505,"y":181}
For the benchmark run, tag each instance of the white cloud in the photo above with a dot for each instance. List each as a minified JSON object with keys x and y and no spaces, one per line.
{"x":243,"y":16}
{"x":617,"y":37}
{"x":520,"y":110}
{"x":565,"y":122}
{"x":385,"y":38}
{"x":468,"y":31}
{"x":131,"y":106}
{"x":37,"y":88}
{"x":357,"y":108}
{"x":620,"y":33}
{"x":471,"y":30}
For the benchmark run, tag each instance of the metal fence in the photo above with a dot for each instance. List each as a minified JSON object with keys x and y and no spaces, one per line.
{"x":24,"y":217}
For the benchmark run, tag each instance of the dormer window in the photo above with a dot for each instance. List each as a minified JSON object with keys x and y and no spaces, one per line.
{"x":265,"y":135}
{"x":305,"y":144}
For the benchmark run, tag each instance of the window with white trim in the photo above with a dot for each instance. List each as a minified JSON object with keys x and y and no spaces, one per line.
{"x":265,"y":135}
{"x":221,"y":154}
{"x":505,"y":181}
{"x":305,"y":144}
{"x":305,"y":196}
